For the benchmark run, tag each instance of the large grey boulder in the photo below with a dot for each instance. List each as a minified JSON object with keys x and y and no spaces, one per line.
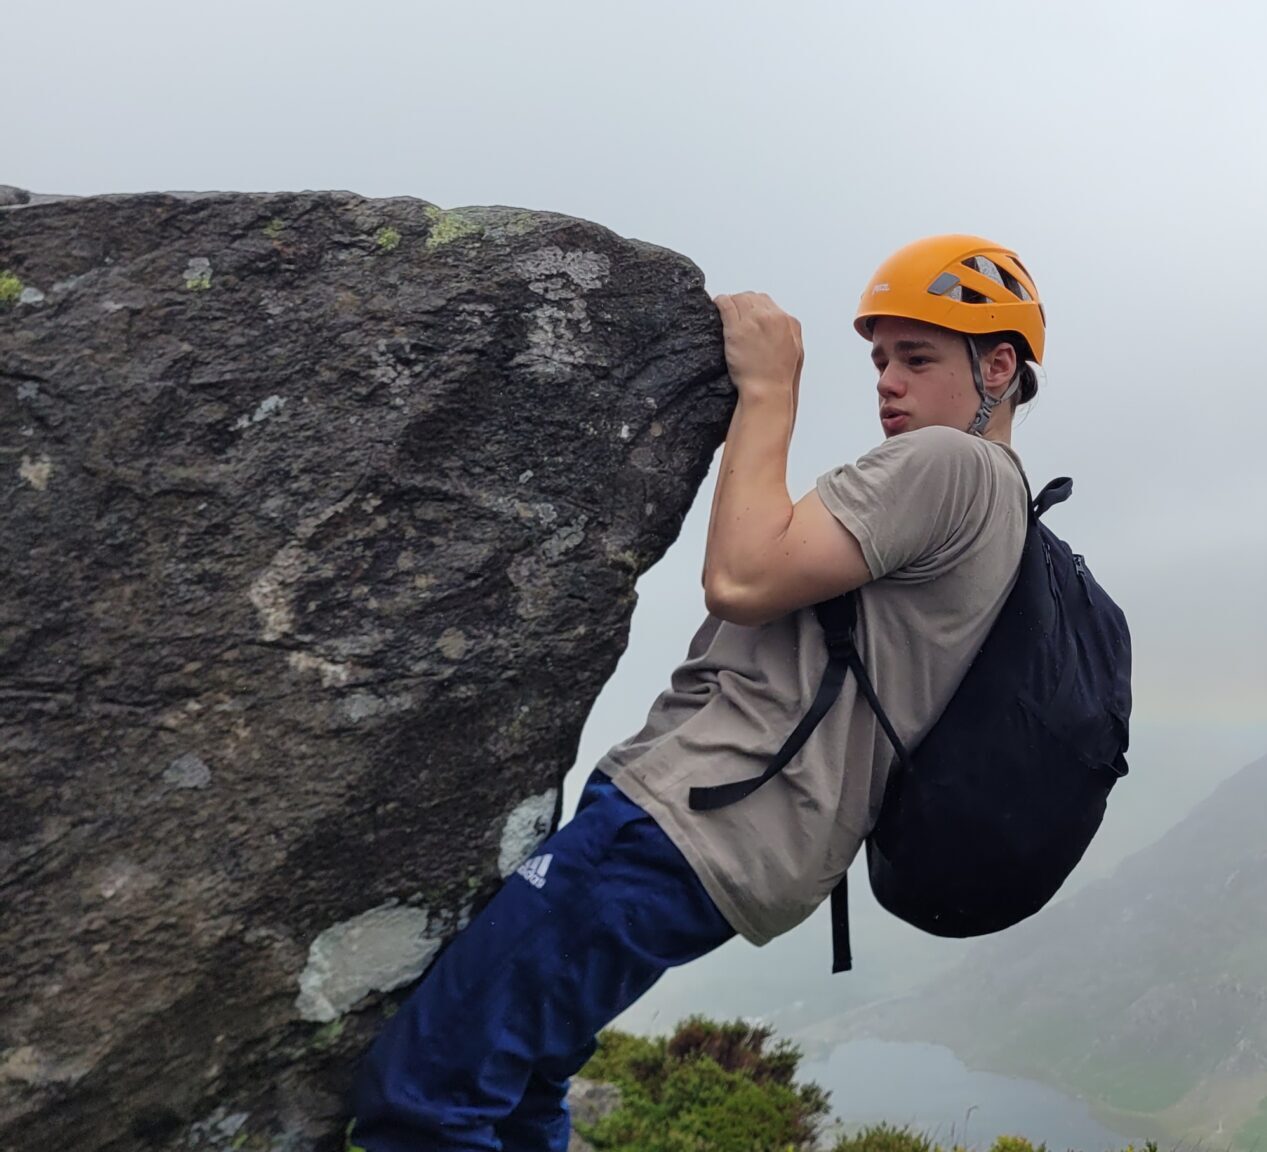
{"x":320,"y":519}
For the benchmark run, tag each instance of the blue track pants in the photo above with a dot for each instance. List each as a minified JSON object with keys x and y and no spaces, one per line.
{"x":480,"y":1055}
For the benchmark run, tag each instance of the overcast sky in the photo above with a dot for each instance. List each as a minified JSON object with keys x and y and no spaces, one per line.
{"x":788,"y":149}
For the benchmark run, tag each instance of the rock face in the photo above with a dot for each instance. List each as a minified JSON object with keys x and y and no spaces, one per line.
{"x":320,"y":525}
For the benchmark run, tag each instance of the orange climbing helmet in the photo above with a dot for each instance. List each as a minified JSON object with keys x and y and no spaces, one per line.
{"x":963,"y":283}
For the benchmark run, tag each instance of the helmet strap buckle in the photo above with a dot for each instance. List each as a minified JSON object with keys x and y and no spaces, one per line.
{"x":988,"y":403}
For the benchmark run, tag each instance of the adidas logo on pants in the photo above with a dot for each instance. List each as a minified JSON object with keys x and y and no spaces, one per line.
{"x":534,"y":870}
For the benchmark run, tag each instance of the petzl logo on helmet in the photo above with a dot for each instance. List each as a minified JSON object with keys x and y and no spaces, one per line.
{"x":879,"y":288}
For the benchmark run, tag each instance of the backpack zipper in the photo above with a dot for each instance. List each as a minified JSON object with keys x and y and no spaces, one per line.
{"x":1080,"y":567}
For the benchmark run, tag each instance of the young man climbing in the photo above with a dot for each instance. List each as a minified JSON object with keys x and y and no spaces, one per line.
{"x":930,"y":525}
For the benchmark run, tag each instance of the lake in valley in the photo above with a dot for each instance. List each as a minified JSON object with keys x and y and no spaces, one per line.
{"x":930,"y":1089}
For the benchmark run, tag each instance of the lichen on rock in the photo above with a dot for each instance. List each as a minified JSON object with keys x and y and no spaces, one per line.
{"x":10,"y":288}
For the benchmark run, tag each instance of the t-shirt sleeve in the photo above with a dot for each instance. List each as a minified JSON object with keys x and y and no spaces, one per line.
{"x":914,"y":504}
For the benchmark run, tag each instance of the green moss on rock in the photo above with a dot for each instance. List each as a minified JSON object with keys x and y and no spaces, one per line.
{"x":521,"y":224}
{"x":10,"y":288}
{"x":327,"y":1035}
{"x":198,"y":274}
{"x":447,"y":227}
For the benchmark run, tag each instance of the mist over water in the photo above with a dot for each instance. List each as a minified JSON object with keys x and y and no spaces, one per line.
{"x":929,"y":1089}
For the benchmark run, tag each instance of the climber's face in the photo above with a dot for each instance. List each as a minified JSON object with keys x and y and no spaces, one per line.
{"x":926,"y":377}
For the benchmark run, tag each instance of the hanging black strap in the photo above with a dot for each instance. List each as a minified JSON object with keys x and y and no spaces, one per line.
{"x":841,"y":949}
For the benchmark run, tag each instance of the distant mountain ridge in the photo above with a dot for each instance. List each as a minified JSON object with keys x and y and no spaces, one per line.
{"x":1146,"y":992}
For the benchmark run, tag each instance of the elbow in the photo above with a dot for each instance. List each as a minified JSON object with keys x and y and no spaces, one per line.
{"x":734,"y":603}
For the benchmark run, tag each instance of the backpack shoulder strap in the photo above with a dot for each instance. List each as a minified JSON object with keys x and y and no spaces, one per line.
{"x":837,"y":617}
{"x":709,"y":799}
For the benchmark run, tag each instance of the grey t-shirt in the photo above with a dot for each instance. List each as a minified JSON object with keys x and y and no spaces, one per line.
{"x":940,"y":516}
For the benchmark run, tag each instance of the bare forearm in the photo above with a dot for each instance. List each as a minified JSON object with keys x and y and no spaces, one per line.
{"x":751,"y":505}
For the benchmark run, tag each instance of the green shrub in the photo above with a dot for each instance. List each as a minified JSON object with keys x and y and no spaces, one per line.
{"x":885,"y":1138}
{"x":1016,"y":1144}
{"x":707,"y":1088}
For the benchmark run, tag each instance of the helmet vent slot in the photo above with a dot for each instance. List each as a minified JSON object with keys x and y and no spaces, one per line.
{"x":1000,"y":276}
{"x":950,"y":286}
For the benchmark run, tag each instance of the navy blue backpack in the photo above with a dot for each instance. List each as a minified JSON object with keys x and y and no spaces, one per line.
{"x":985,"y":819}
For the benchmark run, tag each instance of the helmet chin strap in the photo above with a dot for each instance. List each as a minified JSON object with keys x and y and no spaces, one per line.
{"x":988,"y":403}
